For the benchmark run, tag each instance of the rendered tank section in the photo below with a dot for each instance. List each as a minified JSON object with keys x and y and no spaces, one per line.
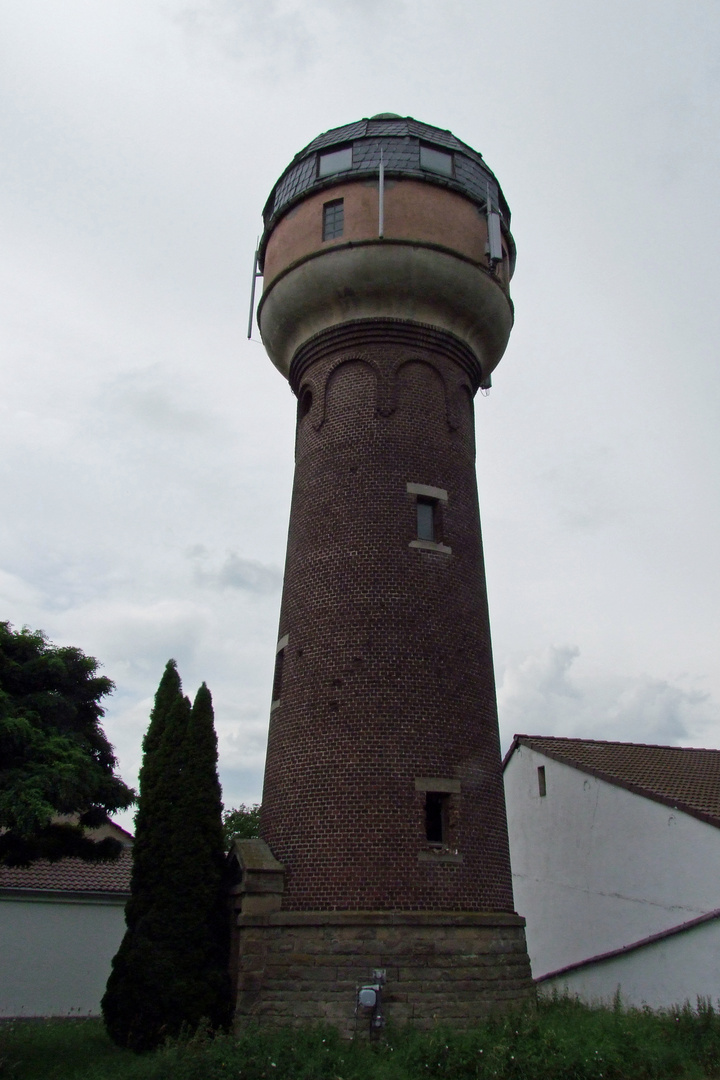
{"x":433,"y":264}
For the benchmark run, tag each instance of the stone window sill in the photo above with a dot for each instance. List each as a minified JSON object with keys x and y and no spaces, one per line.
{"x":430,"y":545}
{"x":442,"y":855}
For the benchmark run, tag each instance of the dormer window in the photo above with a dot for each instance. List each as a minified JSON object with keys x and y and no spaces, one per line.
{"x":437,"y":161}
{"x":335,"y":161}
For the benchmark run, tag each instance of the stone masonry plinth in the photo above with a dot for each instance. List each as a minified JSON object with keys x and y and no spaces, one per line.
{"x":304,"y":967}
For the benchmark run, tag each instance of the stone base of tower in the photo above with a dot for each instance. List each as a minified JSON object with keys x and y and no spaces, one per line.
{"x":440,"y":967}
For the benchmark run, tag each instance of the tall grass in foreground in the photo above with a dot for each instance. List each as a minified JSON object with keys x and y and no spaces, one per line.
{"x":563,"y":1040}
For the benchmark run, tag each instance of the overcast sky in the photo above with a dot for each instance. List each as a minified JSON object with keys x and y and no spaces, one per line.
{"x":146,"y":445}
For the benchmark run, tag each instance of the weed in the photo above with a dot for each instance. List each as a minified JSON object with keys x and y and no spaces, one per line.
{"x":562,"y":1040}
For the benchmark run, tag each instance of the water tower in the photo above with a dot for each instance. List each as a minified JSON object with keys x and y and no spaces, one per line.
{"x":386,"y":259}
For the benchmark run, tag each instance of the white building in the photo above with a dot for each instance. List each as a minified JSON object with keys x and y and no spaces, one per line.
{"x":60,"y":926}
{"x":615,"y":850}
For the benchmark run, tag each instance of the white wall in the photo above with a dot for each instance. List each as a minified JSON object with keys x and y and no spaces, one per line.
{"x":596,"y":867}
{"x":55,"y":955}
{"x":670,"y":972}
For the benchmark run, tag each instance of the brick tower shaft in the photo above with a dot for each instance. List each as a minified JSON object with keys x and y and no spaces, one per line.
{"x":384,"y":717}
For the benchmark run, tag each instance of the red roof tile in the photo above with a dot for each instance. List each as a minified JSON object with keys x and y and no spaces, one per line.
{"x":678,"y":776}
{"x":71,"y":875}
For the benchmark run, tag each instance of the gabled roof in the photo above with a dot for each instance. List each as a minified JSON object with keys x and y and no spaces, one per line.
{"x":70,"y":876}
{"x":74,"y":876}
{"x":642,"y":943}
{"x":110,"y":828}
{"x":677,"y":776}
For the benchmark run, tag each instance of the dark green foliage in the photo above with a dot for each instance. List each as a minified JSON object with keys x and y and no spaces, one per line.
{"x":54,"y":756}
{"x":159,"y":789}
{"x":61,"y":1050}
{"x":563,"y":1040}
{"x":242,"y":821}
{"x":202,"y":833}
{"x":171,"y":970}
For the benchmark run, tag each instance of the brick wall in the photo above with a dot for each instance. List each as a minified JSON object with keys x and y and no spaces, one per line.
{"x":387,"y":672}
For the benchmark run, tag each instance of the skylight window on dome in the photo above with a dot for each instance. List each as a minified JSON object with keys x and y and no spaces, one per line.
{"x":436,"y":161}
{"x":335,"y":161}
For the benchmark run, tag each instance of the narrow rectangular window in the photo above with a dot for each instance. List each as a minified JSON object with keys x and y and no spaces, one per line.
{"x":427,"y":519}
{"x":277,"y":677}
{"x":436,"y":813}
{"x":333,"y":219}
{"x":542,"y":787}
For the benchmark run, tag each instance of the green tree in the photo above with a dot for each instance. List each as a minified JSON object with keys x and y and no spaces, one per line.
{"x":171,"y":970}
{"x":242,"y":821}
{"x":55,"y":760}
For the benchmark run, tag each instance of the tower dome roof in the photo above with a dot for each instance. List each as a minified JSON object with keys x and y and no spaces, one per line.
{"x":409,"y":149}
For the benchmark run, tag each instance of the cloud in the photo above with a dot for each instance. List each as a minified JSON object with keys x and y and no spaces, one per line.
{"x":542,"y":695}
{"x":241,"y":785}
{"x":242,"y":734}
{"x":144,"y":397}
{"x":15,"y":592}
{"x":584,"y":492}
{"x":235,"y":573}
{"x":136,"y":638}
{"x":141,"y":141}
{"x":288,"y":36}
{"x":264,"y":35}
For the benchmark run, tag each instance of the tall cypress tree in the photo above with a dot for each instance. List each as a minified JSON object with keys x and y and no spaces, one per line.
{"x":158,"y":793}
{"x":171,"y":968}
{"x":200,"y":861}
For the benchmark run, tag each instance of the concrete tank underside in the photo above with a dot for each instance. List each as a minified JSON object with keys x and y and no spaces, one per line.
{"x":385,"y":279}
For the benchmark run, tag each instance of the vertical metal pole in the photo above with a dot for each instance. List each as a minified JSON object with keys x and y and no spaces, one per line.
{"x":494,"y":235}
{"x":381,"y":197}
{"x":252,"y":288}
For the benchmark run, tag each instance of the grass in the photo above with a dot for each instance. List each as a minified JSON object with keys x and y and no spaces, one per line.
{"x":563,"y":1040}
